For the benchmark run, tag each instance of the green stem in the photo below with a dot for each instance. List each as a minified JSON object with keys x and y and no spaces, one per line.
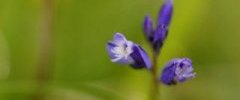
{"x":45,"y":60}
{"x":155,"y":83}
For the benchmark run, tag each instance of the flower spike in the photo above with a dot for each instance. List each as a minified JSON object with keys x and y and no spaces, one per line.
{"x":157,"y":36}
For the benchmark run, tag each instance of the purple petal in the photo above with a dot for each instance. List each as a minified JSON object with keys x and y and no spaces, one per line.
{"x":140,"y":58}
{"x":119,"y":38}
{"x":184,"y":70}
{"x":159,"y":37}
{"x":168,"y":73}
{"x":128,"y":60}
{"x":118,"y":42}
{"x":148,"y":28}
{"x":110,"y":46}
{"x":165,"y":13}
{"x":186,"y":62}
{"x":123,"y":60}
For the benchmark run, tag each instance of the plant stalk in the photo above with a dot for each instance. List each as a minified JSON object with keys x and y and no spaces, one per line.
{"x":45,"y":53}
{"x":155,"y":82}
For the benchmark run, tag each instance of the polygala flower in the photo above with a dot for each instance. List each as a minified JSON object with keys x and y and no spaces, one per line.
{"x":126,"y":52}
{"x":177,"y":70}
{"x":157,"y":36}
{"x":123,"y":51}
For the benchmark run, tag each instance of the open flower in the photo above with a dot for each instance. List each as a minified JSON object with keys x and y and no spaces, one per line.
{"x":157,"y":36}
{"x":177,"y":70}
{"x":123,"y":51}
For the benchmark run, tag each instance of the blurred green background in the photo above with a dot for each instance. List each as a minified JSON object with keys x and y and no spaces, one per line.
{"x":205,"y":30}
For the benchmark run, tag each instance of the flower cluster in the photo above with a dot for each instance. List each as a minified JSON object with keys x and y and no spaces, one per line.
{"x":157,"y":36}
{"x":126,"y":52}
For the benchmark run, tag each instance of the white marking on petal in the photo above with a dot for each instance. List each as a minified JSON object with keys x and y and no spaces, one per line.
{"x":122,"y":50}
{"x":116,"y":59}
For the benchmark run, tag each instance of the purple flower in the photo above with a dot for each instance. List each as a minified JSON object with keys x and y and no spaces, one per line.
{"x":177,"y":70}
{"x":123,"y":51}
{"x":156,"y":37}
